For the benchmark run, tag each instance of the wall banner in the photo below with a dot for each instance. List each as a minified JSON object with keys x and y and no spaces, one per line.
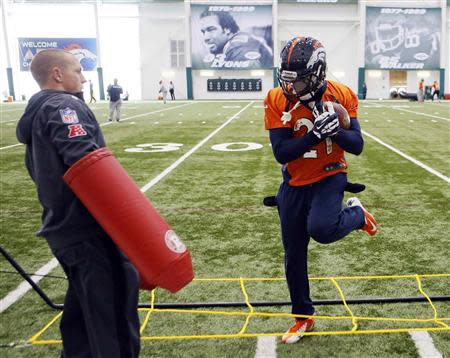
{"x":85,"y":49}
{"x":231,"y":37}
{"x":324,"y":2}
{"x":403,"y":38}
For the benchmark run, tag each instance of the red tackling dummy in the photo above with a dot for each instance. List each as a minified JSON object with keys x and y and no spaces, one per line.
{"x":126,"y":214}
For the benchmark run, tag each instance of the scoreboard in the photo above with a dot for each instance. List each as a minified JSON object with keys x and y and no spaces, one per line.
{"x":234,"y":85}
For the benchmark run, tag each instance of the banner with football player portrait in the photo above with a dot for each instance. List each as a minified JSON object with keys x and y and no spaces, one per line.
{"x":403,"y":38}
{"x":231,"y":36}
{"x":84,"y":49}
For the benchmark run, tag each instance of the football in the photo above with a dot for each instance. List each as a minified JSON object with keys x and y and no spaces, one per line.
{"x":344,"y":118}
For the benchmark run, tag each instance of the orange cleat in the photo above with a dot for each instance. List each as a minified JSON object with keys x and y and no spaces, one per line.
{"x":294,"y":334}
{"x":370,"y":225}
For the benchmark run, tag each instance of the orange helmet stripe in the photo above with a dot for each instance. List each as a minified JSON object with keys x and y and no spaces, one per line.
{"x":294,"y":43}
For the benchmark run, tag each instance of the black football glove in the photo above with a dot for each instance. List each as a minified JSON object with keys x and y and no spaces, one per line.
{"x":326,"y":125}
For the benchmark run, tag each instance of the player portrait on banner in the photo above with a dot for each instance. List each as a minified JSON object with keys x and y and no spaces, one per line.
{"x":231,"y":37}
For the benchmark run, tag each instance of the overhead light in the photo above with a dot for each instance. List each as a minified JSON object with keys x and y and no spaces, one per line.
{"x":338,"y":74}
{"x":206,"y":73}
{"x":168,"y":74}
{"x":256,"y":73}
{"x":374,"y":74}
{"x":423,"y":74}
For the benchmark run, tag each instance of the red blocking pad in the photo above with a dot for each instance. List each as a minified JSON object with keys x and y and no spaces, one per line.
{"x":130,"y":219}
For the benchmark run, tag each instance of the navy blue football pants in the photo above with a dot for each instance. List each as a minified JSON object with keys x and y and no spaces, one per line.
{"x":100,"y":316}
{"x":316,"y":211}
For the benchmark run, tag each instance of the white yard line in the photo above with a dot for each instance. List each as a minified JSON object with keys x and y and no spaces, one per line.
{"x":24,"y":287}
{"x":11,"y":146}
{"x":443,"y":104}
{"x":203,"y":101}
{"x":422,"y":114}
{"x":122,"y":120}
{"x":406,"y":156}
{"x":424,"y":344}
{"x":9,"y":120}
{"x":266,"y":347}
{"x":15,"y":295}
{"x":11,"y":110}
{"x":192,"y":150}
{"x":422,"y":339}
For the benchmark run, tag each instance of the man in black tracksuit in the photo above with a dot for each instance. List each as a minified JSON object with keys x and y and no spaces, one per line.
{"x":100,"y":309}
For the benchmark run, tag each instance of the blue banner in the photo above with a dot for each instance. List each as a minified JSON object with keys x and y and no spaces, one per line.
{"x":84,"y":49}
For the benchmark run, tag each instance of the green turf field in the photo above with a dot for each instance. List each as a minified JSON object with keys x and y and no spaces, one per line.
{"x":213,"y":200}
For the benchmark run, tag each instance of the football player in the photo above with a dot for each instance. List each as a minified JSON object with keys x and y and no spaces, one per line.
{"x":308,"y":141}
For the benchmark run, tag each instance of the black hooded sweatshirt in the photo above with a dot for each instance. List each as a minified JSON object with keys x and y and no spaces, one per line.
{"x":58,"y":129}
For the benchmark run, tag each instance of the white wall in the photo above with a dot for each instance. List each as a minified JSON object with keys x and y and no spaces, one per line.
{"x":446,"y":49}
{"x":335,"y":26}
{"x":135,"y":42}
{"x":160,"y":23}
{"x":377,"y":83}
{"x":118,"y":31}
{"x":27,"y":20}
{"x":119,"y":45}
{"x":3,"y":65}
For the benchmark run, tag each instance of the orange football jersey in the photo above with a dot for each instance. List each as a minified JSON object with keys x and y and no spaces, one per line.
{"x":310,"y":167}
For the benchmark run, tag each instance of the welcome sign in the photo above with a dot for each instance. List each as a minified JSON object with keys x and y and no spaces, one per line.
{"x":84,"y":49}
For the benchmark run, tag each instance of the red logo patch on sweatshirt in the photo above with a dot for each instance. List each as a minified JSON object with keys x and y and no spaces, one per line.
{"x":76,"y":130}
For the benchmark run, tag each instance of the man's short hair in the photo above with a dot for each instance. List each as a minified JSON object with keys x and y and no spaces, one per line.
{"x":226,"y":21}
{"x":44,"y":61}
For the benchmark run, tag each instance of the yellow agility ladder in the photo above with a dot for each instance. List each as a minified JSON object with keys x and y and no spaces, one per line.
{"x":155,"y":319}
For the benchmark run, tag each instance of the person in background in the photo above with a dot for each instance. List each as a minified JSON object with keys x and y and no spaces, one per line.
{"x":308,"y":141}
{"x":435,"y":91}
{"x":126,"y":96}
{"x":115,"y":102}
{"x":91,"y":92}
{"x":100,"y":316}
{"x":364,"y":90}
{"x":420,"y":92}
{"x":163,"y":91}
{"x":172,"y":91}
